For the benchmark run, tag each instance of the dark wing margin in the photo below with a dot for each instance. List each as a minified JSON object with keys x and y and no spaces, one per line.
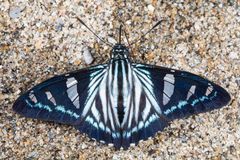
{"x":59,"y":99}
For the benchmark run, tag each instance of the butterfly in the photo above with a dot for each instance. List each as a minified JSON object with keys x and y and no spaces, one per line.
{"x":121,"y":102}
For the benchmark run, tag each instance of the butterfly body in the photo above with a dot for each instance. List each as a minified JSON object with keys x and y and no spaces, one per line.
{"x":121,"y":102}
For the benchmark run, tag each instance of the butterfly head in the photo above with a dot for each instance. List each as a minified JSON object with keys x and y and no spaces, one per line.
{"x":119,"y":51}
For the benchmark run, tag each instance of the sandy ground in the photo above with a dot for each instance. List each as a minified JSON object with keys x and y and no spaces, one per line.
{"x":42,"y":38}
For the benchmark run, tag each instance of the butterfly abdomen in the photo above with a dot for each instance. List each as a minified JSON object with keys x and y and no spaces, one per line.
{"x":120,"y":83}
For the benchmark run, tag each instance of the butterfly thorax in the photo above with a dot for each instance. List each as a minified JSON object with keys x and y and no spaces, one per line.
{"x":119,"y":51}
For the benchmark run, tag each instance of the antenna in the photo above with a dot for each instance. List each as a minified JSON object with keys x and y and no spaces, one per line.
{"x":94,"y":32}
{"x":120,"y":32}
{"x":158,"y":23}
{"x":126,"y":37}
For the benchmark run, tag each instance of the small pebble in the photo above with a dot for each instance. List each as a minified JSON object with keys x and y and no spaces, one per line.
{"x":234,"y":55}
{"x":238,"y":81}
{"x":87,"y":56}
{"x":112,"y":40}
{"x":32,"y":155}
{"x":150,"y":8}
{"x":59,"y":24}
{"x":182,"y":47}
{"x":15,"y":12}
{"x":198,"y":25}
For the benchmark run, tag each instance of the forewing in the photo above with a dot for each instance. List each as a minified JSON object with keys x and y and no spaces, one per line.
{"x":160,"y":95}
{"x":80,"y":98}
{"x":60,"y":99}
{"x":181,"y":93}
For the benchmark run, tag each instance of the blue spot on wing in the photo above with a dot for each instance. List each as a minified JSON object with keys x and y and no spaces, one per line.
{"x":51,"y":111}
{"x":39,"y":105}
{"x":58,"y":108}
{"x":67,"y":111}
{"x":48,"y":112}
{"x":193,"y":103}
